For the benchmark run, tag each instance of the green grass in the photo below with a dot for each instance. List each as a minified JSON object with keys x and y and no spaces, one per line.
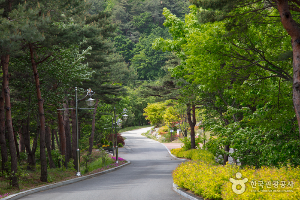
{"x":133,"y":128}
{"x":31,"y":179}
{"x":96,"y":164}
{"x":148,"y":135}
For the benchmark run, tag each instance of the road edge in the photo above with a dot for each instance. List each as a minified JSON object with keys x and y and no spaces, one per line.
{"x":171,"y":153}
{"x":185,"y":194}
{"x":55,"y":185}
{"x":178,"y":189}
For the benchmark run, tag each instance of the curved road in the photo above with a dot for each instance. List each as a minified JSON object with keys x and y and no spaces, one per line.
{"x":148,"y":177}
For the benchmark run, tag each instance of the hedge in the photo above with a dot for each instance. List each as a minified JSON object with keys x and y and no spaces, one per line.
{"x":207,"y":179}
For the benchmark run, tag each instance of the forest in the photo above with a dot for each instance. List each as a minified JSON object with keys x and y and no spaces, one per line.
{"x":226,"y":67}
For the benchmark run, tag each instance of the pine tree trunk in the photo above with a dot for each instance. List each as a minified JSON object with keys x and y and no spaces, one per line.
{"x":57,"y":140}
{"x":91,"y":139}
{"x":53,"y":139}
{"x":44,"y":175}
{"x":21,"y":142}
{"x":35,"y":141}
{"x":293,"y":30}
{"x":48,"y":145}
{"x":61,"y":131}
{"x":16,"y":145}
{"x":9,"y":126}
{"x":74,"y":136}
{"x":192,"y":123}
{"x":67,"y":134}
{"x":3,"y":146}
{"x":26,"y":136}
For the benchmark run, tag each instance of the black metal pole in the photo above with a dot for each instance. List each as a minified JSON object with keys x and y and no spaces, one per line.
{"x":113,"y":135}
{"x":116,"y":136}
{"x":77,"y":135}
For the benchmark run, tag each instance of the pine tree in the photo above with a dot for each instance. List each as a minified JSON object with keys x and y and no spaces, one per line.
{"x":103,"y":60}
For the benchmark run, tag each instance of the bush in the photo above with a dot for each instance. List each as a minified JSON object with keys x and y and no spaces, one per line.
{"x":201,"y":178}
{"x":120,"y":139}
{"x":187,"y":144}
{"x":57,"y":158}
{"x":163,"y":130}
{"x":194,"y":154}
{"x":209,"y":180}
{"x":120,"y":145}
{"x":266,"y":148}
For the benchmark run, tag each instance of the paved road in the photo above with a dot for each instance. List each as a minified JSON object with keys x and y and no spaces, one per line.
{"x":148,"y":177}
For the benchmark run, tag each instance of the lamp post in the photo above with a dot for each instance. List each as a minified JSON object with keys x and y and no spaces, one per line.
{"x":90,"y":102}
{"x":125,"y":116}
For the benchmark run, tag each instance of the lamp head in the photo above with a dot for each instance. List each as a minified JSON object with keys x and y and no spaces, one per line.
{"x":90,"y":102}
{"x":125,"y":117}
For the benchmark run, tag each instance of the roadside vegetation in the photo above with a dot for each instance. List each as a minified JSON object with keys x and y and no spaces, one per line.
{"x":98,"y":161}
{"x":206,"y":178}
{"x":133,"y":128}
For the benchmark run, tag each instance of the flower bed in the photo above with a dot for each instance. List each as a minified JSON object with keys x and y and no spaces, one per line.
{"x":212,"y":181}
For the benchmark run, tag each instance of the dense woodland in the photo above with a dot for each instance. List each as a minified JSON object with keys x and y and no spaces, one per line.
{"x":226,"y":66}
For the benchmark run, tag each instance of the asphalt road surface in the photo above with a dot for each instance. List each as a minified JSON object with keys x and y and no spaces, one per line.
{"x":148,"y":177}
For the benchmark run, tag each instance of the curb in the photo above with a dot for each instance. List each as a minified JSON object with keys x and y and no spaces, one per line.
{"x":184,"y":194}
{"x":178,"y":189}
{"x":171,"y":153}
{"x":55,"y":185}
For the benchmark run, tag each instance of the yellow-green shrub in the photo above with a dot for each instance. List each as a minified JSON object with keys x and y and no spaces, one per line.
{"x":202,"y":178}
{"x":266,"y":174}
{"x":194,"y":154}
{"x":212,"y":181}
{"x":176,"y":151}
{"x":163,"y":130}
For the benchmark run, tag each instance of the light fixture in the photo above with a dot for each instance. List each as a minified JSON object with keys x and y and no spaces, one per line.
{"x":125,"y":117}
{"x":90,"y":102}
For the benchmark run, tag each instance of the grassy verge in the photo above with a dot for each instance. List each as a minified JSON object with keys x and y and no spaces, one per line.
{"x":161,"y":139}
{"x":31,"y":179}
{"x":133,"y":128}
{"x":148,"y":135}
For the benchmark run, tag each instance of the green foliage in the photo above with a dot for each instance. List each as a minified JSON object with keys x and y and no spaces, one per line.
{"x":146,"y":61}
{"x":207,"y":179}
{"x":212,"y":181}
{"x":85,"y":159}
{"x":124,"y":46}
{"x":171,"y":116}
{"x":194,"y":154}
{"x":57,"y":158}
{"x":120,"y":145}
{"x":187,"y":143}
{"x":163,"y":130}
{"x":98,"y":163}
{"x":232,"y":73}
{"x":154,"y":113}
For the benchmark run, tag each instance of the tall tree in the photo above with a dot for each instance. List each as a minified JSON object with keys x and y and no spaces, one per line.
{"x":91,"y":139}
{"x":67,"y":133}
{"x":9,"y":126}
{"x":4,"y":153}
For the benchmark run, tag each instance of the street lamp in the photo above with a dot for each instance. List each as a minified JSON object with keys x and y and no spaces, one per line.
{"x":90,"y":102}
{"x":125,"y":116}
